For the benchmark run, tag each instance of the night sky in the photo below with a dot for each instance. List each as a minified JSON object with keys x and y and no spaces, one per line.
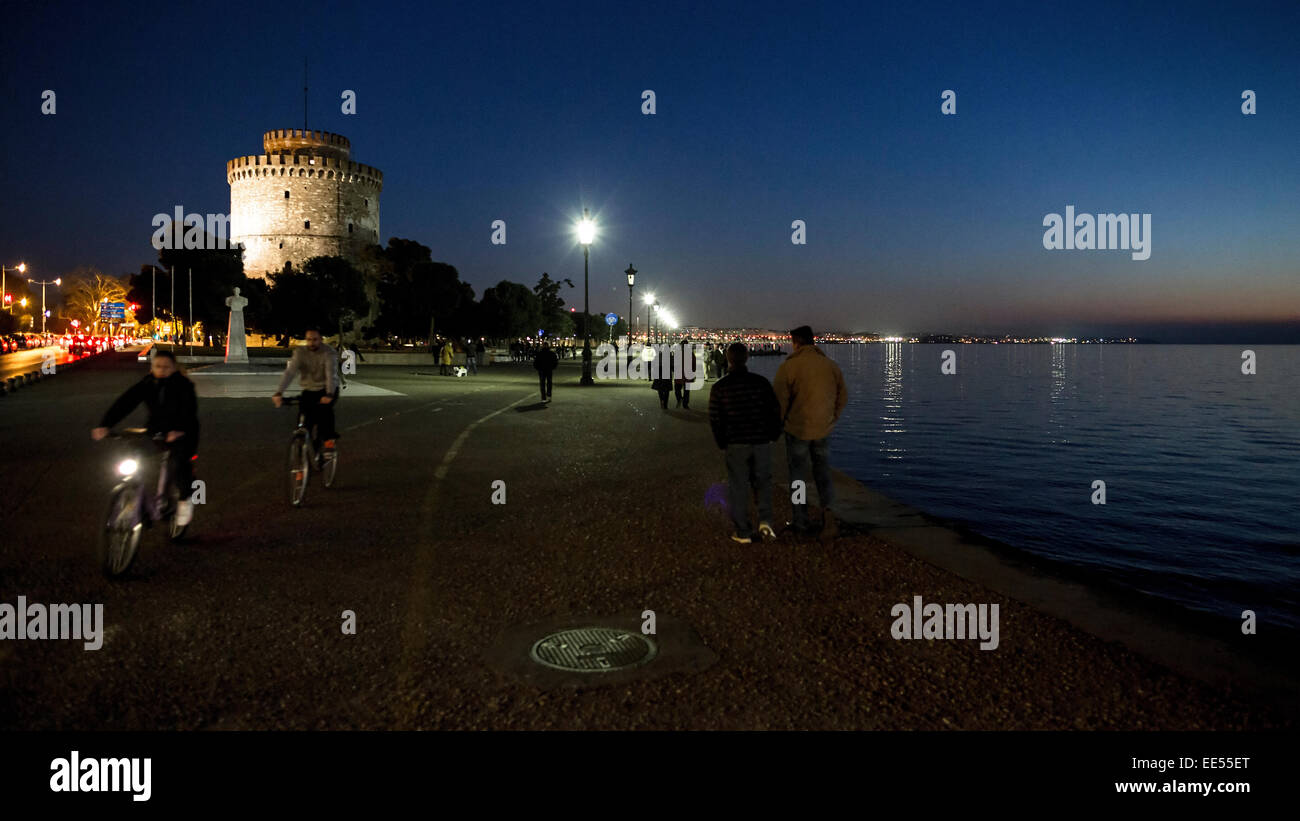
{"x":766,"y":113}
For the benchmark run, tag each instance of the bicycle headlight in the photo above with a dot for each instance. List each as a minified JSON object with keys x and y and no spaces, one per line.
{"x":127,"y":467}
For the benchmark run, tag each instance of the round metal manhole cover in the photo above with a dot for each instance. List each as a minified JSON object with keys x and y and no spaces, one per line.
{"x":593,"y":650}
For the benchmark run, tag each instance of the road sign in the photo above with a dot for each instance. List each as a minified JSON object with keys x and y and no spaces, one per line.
{"x":611,"y":319}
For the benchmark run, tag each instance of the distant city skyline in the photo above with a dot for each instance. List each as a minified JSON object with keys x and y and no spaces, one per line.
{"x":916,"y":221}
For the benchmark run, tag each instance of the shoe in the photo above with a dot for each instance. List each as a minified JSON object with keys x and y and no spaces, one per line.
{"x":736,"y":537}
{"x":766,"y":532}
{"x":184,"y":513}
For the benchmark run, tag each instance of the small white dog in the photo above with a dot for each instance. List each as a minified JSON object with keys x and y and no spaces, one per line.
{"x":461,"y":370}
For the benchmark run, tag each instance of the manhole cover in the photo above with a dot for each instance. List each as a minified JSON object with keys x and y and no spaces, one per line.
{"x":593,"y":650}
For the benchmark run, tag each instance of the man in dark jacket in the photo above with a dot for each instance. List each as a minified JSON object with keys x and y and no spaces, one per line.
{"x":746,"y":417}
{"x":173,"y":410}
{"x":545,"y":362}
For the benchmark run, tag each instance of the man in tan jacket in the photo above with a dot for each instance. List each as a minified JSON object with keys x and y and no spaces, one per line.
{"x":810,"y":389}
{"x":317,"y":367}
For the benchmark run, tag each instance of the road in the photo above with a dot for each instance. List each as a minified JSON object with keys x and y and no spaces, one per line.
{"x":21,"y":362}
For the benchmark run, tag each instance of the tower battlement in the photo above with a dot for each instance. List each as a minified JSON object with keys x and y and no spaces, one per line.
{"x":299,"y":165}
{"x":297,"y":141}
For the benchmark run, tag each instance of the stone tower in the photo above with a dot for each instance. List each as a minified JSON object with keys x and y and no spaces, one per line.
{"x":302,"y":197}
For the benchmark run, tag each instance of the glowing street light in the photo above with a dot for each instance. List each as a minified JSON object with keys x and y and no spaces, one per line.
{"x":586,"y":235}
{"x":20,"y":268}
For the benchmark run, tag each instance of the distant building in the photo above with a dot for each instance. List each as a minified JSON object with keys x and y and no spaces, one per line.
{"x":302,"y":197}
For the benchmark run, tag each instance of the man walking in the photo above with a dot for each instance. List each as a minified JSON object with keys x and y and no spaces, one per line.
{"x":810,"y":389}
{"x":688,"y":365}
{"x":545,"y":362}
{"x":746,"y":417}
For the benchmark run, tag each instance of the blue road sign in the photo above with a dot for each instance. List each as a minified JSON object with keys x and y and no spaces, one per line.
{"x":611,"y":319}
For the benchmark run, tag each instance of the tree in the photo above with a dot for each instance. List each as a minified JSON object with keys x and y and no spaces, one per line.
{"x":140,"y":290}
{"x":420,"y":297}
{"x":510,"y":310}
{"x":325,"y":293}
{"x":86,"y":289}
{"x":554,"y":319}
{"x":215,"y":273}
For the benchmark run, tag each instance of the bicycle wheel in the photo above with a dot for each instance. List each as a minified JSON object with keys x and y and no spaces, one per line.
{"x":299,"y":469}
{"x":122,"y":530}
{"x":330,"y":466}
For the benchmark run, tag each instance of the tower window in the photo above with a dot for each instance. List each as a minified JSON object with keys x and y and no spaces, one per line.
{"x":349,"y":228}
{"x":282,"y":245}
{"x":306,"y":223}
{"x":286,"y":195}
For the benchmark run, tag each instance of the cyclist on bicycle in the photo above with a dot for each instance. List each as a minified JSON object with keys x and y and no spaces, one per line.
{"x":317,"y":367}
{"x":174,"y":410}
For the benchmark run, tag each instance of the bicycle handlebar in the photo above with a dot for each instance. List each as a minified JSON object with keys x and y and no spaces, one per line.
{"x":139,"y":433}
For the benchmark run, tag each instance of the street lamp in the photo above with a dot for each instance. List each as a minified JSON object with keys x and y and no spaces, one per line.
{"x":586,"y":234}
{"x":631,"y":280}
{"x":658,"y":330}
{"x":20,"y":268}
{"x":44,"y":313}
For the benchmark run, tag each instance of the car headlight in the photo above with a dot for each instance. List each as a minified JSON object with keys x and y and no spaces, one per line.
{"x":127,"y":467}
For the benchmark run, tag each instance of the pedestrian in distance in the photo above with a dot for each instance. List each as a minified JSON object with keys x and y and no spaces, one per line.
{"x":471,"y":356}
{"x":680,"y":390}
{"x":745,"y":417}
{"x":444,"y":358}
{"x":545,"y":362}
{"x":811,"y":391}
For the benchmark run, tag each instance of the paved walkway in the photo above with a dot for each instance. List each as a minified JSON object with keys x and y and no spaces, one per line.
{"x":607,"y":514}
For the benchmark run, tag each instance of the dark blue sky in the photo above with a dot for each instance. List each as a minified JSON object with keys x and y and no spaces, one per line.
{"x":767,"y":113}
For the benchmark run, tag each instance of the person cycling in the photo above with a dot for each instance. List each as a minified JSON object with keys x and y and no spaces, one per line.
{"x":174,"y":410}
{"x":317,"y":367}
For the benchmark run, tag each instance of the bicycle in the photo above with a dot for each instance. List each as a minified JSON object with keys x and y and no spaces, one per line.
{"x":303,"y":455}
{"x":132,"y":508}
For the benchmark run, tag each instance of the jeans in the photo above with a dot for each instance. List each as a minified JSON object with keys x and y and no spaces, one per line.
{"x":471,"y":362}
{"x":544,"y":378}
{"x":798,"y":452}
{"x":322,"y":416}
{"x":180,"y":463}
{"x":749,"y":467}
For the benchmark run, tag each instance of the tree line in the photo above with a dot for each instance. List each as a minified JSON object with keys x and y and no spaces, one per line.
{"x":396,"y":294}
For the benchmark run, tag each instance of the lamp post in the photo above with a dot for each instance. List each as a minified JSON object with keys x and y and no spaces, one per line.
{"x":649,"y":300}
{"x":58,"y":281}
{"x":20,"y":268}
{"x":657,"y":329}
{"x":586,"y":233}
{"x":631,"y":280}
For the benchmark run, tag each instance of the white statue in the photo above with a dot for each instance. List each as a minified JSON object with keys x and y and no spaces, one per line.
{"x":236,"y":344}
